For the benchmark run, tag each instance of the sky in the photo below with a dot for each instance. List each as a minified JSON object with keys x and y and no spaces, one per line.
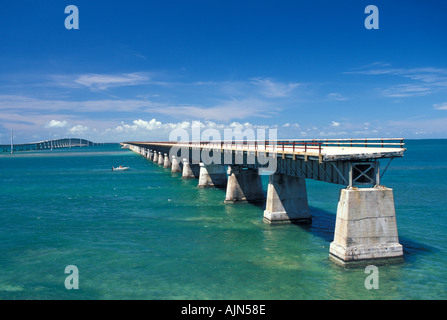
{"x":137,"y":70}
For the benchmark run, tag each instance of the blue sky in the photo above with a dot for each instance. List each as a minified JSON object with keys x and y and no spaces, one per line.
{"x":135,"y":70}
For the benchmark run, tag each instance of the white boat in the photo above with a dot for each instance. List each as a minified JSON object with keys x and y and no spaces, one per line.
{"x":120,"y":168}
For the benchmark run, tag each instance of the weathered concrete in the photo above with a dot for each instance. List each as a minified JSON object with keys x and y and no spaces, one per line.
{"x":167,"y":162}
{"x":213,"y":175}
{"x":155,"y":158}
{"x":160,"y":159}
{"x":175,"y":165}
{"x":286,"y":200}
{"x":366,"y":227}
{"x":244,"y":185}
{"x":190,"y":171}
{"x":149,"y":155}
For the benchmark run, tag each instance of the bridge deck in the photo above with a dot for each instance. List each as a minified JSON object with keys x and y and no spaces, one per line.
{"x":324,"y":150}
{"x":350,"y":162}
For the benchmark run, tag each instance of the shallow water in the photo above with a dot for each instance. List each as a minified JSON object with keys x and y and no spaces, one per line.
{"x":147,"y":234}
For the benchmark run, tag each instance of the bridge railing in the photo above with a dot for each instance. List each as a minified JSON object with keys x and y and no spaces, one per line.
{"x":290,"y":145}
{"x":318,"y":146}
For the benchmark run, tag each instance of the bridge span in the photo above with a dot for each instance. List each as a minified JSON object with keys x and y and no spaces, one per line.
{"x":47,"y":144}
{"x":365,"y":229}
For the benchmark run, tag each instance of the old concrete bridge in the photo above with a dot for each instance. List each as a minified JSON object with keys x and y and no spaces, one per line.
{"x":365,"y":229}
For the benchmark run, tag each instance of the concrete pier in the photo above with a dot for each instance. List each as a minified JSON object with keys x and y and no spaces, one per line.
{"x":155,"y":158}
{"x":175,"y":165}
{"x":244,"y":185}
{"x":190,"y":171}
{"x":160,"y":159}
{"x":286,"y":200}
{"x":167,"y":163}
{"x":213,"y":175}
{"x":366,"y":227}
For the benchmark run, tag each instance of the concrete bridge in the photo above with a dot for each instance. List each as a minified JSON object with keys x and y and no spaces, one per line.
{"x":47,"y":144}
{"x":365,"y":229}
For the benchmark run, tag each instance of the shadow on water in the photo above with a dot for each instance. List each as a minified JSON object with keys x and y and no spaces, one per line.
{"x":258,"y":204}
{"x":323,"y":226}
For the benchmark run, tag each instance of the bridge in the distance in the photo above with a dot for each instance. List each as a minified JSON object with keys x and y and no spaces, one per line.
{"x":366,"y":226}
{"x":47,"y":144}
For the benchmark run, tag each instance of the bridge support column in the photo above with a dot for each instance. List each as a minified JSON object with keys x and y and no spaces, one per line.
{"x":213,"y":175}
{"x":366,"y":227}
{"x":160,"y":159}
{"x":175,"y":165}
{"x":155,"y":158}
{"x":244,"y":185}
{"x":286,"y":200}
{"x":167,"y":163}
{"x":189,"y":171}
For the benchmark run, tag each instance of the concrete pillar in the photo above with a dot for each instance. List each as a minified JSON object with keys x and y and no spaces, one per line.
{"x":244,"y":185}
{"x":365,"y":228}
{"x":167,"y":163}
{"x":175,"y":165}
{"x":189,"y":171}
{"x":286,"y":200}
{"x":149,"y":155}
{"x":213,"y":175}
{"x":155,"y":158}
{"x":160,"y":159}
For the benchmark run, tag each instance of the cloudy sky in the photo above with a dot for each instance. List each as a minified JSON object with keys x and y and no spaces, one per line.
{"x":136,"y":70}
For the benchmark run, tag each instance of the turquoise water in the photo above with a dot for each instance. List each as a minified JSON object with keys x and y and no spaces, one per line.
{"x":148,"y":234}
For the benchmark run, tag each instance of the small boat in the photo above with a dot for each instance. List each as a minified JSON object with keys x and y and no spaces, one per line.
{"x":120,"y":168}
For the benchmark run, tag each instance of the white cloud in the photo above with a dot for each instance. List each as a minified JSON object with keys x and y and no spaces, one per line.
{"x":274,"y":89}
{"x":154,"y":125}
{"x":428,"y":74}
{"x":78,"y":129}
{"x":22,"y":104}
{"x":156,"y":130}
{"x":337,"y":96}
{"x":440,"y":106}
{"x":335,"y":124}
{"x":223,"y":111}
{"x":406,"y":90}
{"x":104,"y":81}
{"x":289,"y":125}
{"x":56,"y":124}
{"x":426,"y":81}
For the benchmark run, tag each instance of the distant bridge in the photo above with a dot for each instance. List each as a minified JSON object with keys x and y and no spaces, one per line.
{"x":47,"y":144}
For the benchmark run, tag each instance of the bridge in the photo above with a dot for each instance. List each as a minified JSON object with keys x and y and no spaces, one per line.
{"x":365,"y":229}
{"x":47,"y":144}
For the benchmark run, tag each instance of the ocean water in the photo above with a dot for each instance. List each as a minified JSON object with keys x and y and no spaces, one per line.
{"x":147,"y":234}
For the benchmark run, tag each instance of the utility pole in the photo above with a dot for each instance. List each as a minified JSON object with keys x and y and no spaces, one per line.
{"x":12,"y":141}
